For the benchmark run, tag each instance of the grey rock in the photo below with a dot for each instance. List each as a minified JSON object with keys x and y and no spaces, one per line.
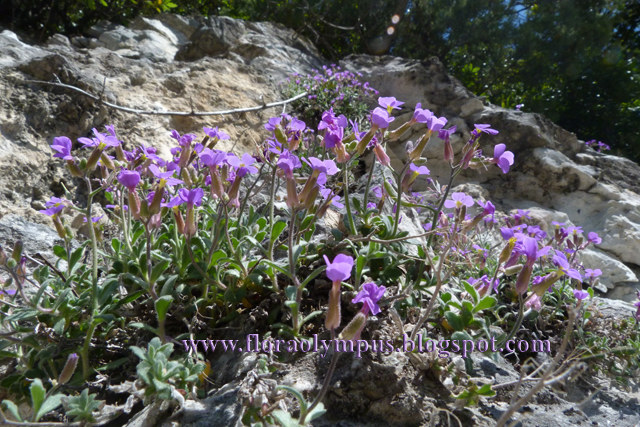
{"x":14,"y":52}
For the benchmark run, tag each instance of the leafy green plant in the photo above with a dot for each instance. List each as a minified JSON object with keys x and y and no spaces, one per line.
{"x":161,"y":375}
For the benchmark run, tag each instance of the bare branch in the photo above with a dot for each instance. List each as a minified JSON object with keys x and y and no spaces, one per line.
{"x":169,"y":113}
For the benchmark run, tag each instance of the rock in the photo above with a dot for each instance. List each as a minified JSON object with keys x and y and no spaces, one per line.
{"x":15,"y":52}
{"x":614,"y":272}
{"x":213,"y":39}
{"x":37,"y":238}
{"x":223,"y":408}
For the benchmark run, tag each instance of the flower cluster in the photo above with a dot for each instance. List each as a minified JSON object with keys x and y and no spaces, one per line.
{"x":331,"y":87}
{"x":599,"y":146}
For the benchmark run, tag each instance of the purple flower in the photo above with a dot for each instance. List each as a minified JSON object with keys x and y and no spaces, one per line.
{"x":329,"y":120}
{"x":560,"y":261}
{"x":458,"y":200}
{"x":419,"y":170}
{"x":519,"y":106}
{"x":212,"y":158}
{"x":243,"y":166}
{"x":389,"y":103}
{"x":129,"y":179}
{"x":288,"y":162}
{"x":594,"y":238}
{"x":482,"y":128}
{"x":62,"y":145}
{"x":381,"y":118}
{"x":215,"y":133}
{"x":165,"y":177}
{"x":483,"y":284}
{"x":272,"y":123}
{"x":370,"y":294}
{"x":340,"y":269}
{"x":528,"y":246}
{"x":487,"y":208}
{"x":445,"y":134}
{"x":191,"y":197}
{"x":435,"y":124}
{"x":94,"y":219}
{"x":580,"y":295}
{"x":54,"y":206}
{"x":333,"y":198}
{"x":333,"y":137}
{"x":421,"y":115}
{"x":323,"y":166}
{"x":101,"y":140}
{"x":184,"y":140}
{"x":502,"y":158}
{"x":592,"y":274}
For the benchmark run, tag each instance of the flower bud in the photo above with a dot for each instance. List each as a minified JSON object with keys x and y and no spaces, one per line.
{"x":354,"y":328}
{"x":73,"y":168}
{"x":190,"y":227}
{"x":154,"y":208}
{"x":448,"y":151}
{"x":69,"y":369}
{"x":11,"y":263}
{"x":522,"y":282}
{"x":179,"y":220}
{"x":134,"y":204}
{"x":155,"y":221}
{"x":107,"y":162}
{"x":392,"y":136}
{"x":292,"y":195}
{"x":416,"y":152}
{"x":510,"y":271}
{"x":59,"y":227}
{"x":506,"y":251}
{"x":362,"y":144}
{"x":332,"y":320}
{"x":17,"y":251}
{"x":93,"y":159}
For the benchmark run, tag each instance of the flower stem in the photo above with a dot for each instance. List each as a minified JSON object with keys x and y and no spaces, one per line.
{"x":347,"y":203}
{"x":399,"y":197}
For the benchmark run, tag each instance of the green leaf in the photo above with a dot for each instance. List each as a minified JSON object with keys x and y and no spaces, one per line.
{"x":60,"y":252}
{"x":454,"y":320}
{"x":138,"y":352}
{"x":284,"y":418}
{"x":38,"y":394}
{"x":471,"y":291}
{"x":162,"y":306}
{"x":486,"y":390}
{"x":13,"y":409}
{"x":485,"y":303}
{"x":49,"y":405}
{"x":75,"y":257}
{"x":116,"y":245}
{"x":461,"y":336}
{"x":131,"y":297}
{"x":107,"y":289}
{"x":312,"y":276}
{"x":466,"y":313}
{"x":22,"y":314}
{"x":361,"y":262}
{"x":316,"y":412}
{"x":169,"y":285}
{"x":297,"y":394}
{"x":36,"y":298}
{"x":158,"y":269}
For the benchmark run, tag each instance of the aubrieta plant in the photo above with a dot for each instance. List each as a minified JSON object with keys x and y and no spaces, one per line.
{"x":207,"y":235}
{"x":330,"y":88}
